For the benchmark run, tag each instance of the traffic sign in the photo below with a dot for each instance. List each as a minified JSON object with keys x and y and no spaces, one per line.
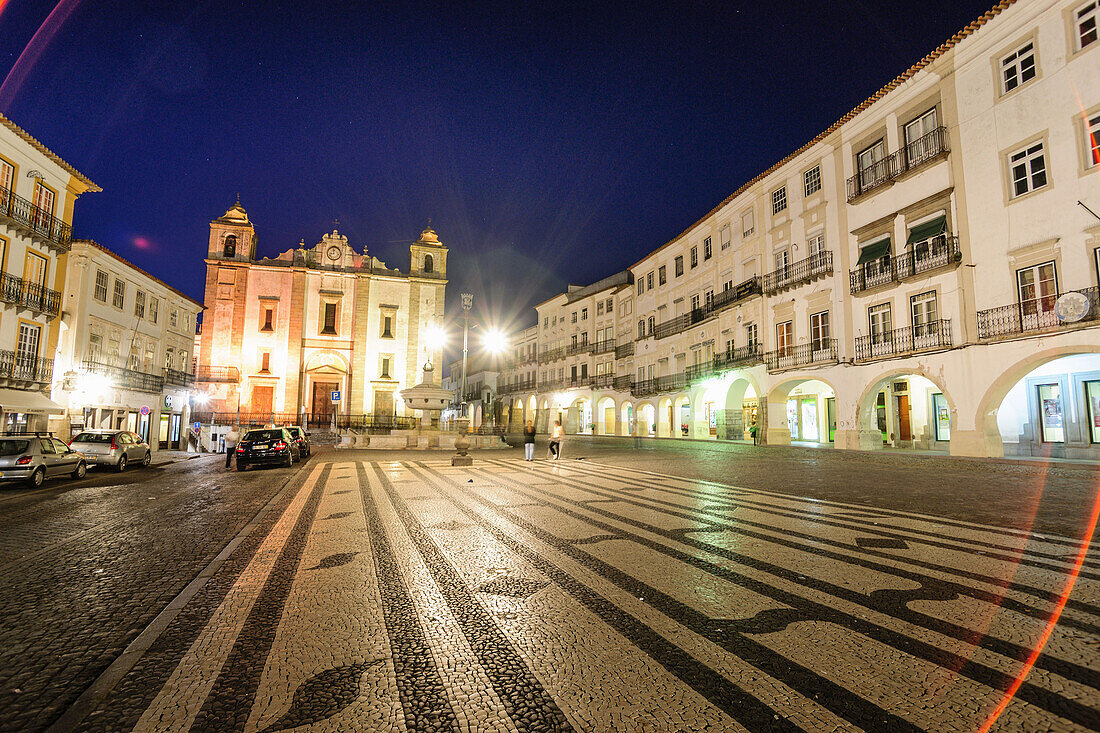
{"x":144,"y":410}
{"x":335,"y":395}
{"x":198,"y":426}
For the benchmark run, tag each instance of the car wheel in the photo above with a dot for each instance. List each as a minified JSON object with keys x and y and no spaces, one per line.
{"x":81,"y":470}
{"x":289,"y":461}
{"x":37,"y":478}
{"x":122,"y":463}
{"x":147,"y":459}
{"x":241,"y":466}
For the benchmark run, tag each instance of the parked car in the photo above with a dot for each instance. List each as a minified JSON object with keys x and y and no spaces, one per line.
{"x":117,"y":448}
{"x":36,"y":456}
{"x":266,"y":446}
{"x":301,"y":437}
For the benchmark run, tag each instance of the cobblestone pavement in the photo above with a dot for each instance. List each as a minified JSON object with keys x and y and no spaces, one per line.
{"x":408,"y":595}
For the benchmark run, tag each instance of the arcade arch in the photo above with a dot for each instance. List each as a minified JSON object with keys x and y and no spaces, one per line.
{"x":801,"y":409}
{"x":905,"y":408}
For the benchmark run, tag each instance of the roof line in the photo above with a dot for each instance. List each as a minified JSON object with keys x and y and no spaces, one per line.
{"x":127,"y":262}
{"x":862,"y":106}
{"x":34,"y":142}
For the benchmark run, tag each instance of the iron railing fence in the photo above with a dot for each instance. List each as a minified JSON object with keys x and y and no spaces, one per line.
{"x":907,"y":340}
{"x":797,"y":273}
{"x":739,"y":357}
{"x":581,"y":348}
{"x":545,"y":357}
{"x":207,"y":373}
{"x":178,"y":378}
{"x":321,"y":420}
{"x":127,"y":378}
{"x":603,"y":347}
{"x":939,"y":252}
{"x":913,"y":155}
{"x":549,"y":385}
{"x":523,"y":385}
{"x":624,"y":382}
{"x":35,"y":297}
{"x":1034,"y":315}
{"x":624,"y":350}
{"x":602,"y":381}
{"x":34,"y":219}
{"x":656,"y":385}
{"x":816,"y":352}
{"x":24,"y":368}
{"x":719,"y":302}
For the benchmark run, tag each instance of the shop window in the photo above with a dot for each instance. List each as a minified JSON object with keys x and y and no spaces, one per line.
{"x":1092,"y":394}
{"x":1052,"y":428}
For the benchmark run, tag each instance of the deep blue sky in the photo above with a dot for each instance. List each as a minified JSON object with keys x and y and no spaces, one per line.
{"x":549,"y":143}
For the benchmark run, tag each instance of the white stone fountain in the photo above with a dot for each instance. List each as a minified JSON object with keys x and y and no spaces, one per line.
{"x":430,"y":400}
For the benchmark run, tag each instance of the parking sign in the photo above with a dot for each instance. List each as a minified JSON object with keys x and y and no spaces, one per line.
{"x":335,"y":395}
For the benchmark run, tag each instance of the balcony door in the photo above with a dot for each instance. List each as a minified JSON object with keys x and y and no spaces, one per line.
{"x":919,"y":145}
{"x":782,"y":266}
{"x":871,"y":165}
{"x":881,"y":326}
{"x":44,"y":200}
{"x":819,"y":335}
{"x":1038,"y":290}
{"x":26,"y":351}
{"x":7,"y":183}
{"x":925,"y":315}
{"x":34,"y":280}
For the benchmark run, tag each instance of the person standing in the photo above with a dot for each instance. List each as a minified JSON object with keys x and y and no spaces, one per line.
{"x":555,"y":440}
{"x":231,"y":439}
{"x":529,"y":441}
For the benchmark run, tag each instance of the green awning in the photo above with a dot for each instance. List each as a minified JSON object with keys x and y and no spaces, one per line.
{"x":927,"y":230}
{"x":874,"y":251}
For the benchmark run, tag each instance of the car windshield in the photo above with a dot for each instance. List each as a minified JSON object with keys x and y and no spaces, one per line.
{"x":264,"y":435}
{"x":93,"y":438}
{"x":13,"y":447}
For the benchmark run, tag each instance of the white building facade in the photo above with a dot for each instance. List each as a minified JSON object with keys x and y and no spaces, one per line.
{"x":918,"y":275}
{"x":38,"y":192}
{"x":125,"y":356}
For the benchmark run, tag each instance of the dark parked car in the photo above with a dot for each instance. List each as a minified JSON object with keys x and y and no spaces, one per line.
{"x":117,"y":448}
{"x":266,"y":446}
{"x":301,"y":437}
{"x":33,"y":457}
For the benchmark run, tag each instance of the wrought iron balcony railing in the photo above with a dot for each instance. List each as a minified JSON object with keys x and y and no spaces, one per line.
{"x":657,"y":385}
{"x":35,"y":220}
{"x":797,"y":273}
{"x":545,"y":357}
{"x":719,"y":302}
{"x":1035,"y":315}
{"x":623,"y":382}
{"x":603,"y":347}
{"x":523,"y":385}
{"x":549,"y":385}
{"x":817,"y":352}
{"x":624,"y":350}
{"x":602,"y":381}
{"x":914,"y":155}
{"x":23,"y":368}
{"x":127,"y":378}
{"x":940,"y":252}
{"x":32,"y":296}
{"x":581,"y":348}
{"x":206,"y":373}
{"x":178,"y":378}
{"x":908,"y":340}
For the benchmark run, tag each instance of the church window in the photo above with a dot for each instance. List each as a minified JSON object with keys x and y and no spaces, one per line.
{"x":230,"y":246}
{"x":429,"y":265}
{"x":269,"y":320}
{"x":329,"y":327}
{"x":387,"y":325}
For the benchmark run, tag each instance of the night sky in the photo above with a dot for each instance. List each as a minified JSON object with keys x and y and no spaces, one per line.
{"x":548,"y":143}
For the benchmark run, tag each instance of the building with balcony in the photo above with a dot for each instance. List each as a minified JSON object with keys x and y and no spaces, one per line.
{"x":481,"y":388}
{"x":283,"y":336}
{"x":125,"y":356}
{"x":38,"y":192}
{"x":923,"y":273}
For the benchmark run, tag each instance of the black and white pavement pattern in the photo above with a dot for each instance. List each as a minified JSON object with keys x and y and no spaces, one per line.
{"x":410,"y":595}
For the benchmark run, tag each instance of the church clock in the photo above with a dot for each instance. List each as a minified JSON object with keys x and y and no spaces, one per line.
{"x":333,"y":253}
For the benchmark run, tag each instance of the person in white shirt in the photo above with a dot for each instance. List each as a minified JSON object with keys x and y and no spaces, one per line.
{"x":555,"y":440}
{"x":231,"y":439}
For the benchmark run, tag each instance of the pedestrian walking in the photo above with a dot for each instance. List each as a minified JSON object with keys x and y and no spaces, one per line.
{"x":555,"y":440}
{"x":754,"y":432}
{"x":529,"y":441}
{"x":231,"y":439}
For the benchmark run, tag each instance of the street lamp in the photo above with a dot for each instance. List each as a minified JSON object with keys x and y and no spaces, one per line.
{"x":467,"y":304}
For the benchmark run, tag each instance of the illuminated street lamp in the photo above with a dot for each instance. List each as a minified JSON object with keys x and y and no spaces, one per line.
{"x":467,"y":304}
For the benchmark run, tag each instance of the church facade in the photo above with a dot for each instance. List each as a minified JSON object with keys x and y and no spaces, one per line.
{"x":281,"y":336}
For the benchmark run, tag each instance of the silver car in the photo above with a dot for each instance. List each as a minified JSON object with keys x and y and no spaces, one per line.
{"x":35,"y":456}
{"x":117,"y":448}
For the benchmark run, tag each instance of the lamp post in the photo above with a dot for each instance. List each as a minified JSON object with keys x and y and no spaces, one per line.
{"x":467,"y":303}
